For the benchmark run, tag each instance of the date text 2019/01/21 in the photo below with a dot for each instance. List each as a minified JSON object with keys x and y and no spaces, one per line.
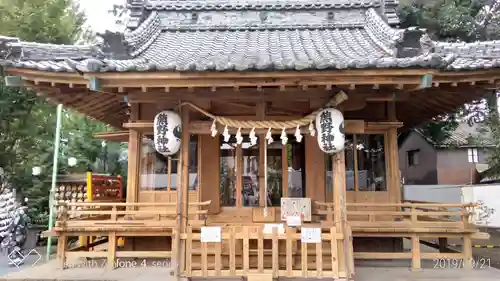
{"x":478,"y":263}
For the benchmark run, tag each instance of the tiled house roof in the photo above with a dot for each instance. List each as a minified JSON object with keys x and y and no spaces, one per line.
{"x":244,"y":35}
{"x":463,"y":136}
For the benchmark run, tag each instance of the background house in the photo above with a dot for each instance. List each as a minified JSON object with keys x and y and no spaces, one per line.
{"x":455,"y":160}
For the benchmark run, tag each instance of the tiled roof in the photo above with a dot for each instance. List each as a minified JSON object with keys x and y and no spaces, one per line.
{"x":14,"y":48}
{"x":463,"y":136}
{"x":257,"y":4}
{"x":244,"y":35}
{"x":479,"y":55}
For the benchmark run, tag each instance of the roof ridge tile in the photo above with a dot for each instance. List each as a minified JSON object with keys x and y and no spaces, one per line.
{"x":189,"y":5}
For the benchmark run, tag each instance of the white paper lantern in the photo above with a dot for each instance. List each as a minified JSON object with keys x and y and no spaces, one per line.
{"x":330,"y":128}
{"x":36,"y":171}
{"x":167,"y":132}
{"x":72,"y":161}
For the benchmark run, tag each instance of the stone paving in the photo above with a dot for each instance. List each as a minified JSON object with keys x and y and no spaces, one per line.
{"x":384,"y":271}
{"x":5,"y":268}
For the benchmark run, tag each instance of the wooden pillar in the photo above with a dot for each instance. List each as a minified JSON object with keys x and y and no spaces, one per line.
{"x":134,"y":158}
{"x":315,"y":170}
{"x":392,"y":158}
{"x":339,"y":188}
{"x":393,"y":175}
{"x":184,"y":186}
{"x":209,"y":171}
{"x":238,"y":164}
{"x":262,"y":170}
{"x":185,"y":144}
{"x":134,"y":166}
{"x":284,"y":168}
{"x":260,"y":113}
{"x":340,"y":214}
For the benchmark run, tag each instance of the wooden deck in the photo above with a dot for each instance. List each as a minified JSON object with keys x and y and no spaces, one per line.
{"x":246,"y":249}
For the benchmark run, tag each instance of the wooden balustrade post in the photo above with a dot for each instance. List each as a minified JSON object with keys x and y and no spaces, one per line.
{"x":414,"y":215}
{"x":114,"y":216}
{"x":467,"y":251}
{"x":467,"y":241}
{"x":329,"y":213}
{"x":111,"y":249}
{"x":62,"y":247}
{"x":415,"y":253}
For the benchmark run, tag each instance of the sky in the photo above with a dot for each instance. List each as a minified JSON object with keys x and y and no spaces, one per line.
{"x":97,"y":13}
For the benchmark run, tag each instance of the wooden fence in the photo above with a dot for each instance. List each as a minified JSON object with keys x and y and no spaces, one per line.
{"x":88,"y":216}
{"x":244,"y":250}
{"x":448,"y":217}
{"x":410,"y":220}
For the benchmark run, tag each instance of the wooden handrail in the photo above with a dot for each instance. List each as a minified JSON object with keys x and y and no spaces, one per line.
{"x":131,"y":212}
{"x":119,"y":204}
{"x":409,"y":205}
{"x":414,"y":213}
{"x":397,"y":213}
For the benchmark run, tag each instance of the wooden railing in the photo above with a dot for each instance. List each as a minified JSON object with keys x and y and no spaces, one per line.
{"x":89,"y":216}
{"x":285,"y":256}
{"x":410,"y":220}
{"x":400,"y":215}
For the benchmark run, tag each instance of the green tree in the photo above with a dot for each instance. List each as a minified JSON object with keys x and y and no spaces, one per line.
{"x":27,"y":121}
{"x":452,"y":21}
{"x":460,"y":21}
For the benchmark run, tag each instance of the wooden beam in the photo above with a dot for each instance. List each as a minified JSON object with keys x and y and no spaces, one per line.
{"x":352,"y":104}
{"x":249,"y":94}
{"x":162,"y":80}
{"x":204,"y":127}
{"x":120,"y":136}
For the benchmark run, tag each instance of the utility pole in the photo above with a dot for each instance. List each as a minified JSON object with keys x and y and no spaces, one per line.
{"x":57,"y":139}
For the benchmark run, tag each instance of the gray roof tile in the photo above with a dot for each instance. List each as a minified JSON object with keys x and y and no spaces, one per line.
{"x":464,"y":135}
{"x":13,"y":47}
{"x":159,"y":5}
{"x":241,"y":35}
{"x":252,"y":50}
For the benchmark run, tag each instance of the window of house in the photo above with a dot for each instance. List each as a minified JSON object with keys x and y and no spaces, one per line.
{"x":472,"y":155}
{"x":349,"y":165}
{"x":155,"y":171}
{"x":242,"y":171}
{"x":364,"y":163}
{"x":412,"y":157}
{"x":239,"y":166}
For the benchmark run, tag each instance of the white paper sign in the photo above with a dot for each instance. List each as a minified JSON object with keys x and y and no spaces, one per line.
{"x":210,"y":234}
{"x":310,"y":235}
{"x":268,"y":228}
{"x":293,"y":221}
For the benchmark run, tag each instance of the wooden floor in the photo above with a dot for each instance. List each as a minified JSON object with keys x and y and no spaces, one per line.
{"x":379,"y":271}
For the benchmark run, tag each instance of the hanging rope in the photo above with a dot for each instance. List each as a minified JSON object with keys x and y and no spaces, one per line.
{"x":333,"y":102}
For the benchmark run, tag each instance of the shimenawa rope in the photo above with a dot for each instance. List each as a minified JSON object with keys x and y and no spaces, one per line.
{"x":250,"y":124}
